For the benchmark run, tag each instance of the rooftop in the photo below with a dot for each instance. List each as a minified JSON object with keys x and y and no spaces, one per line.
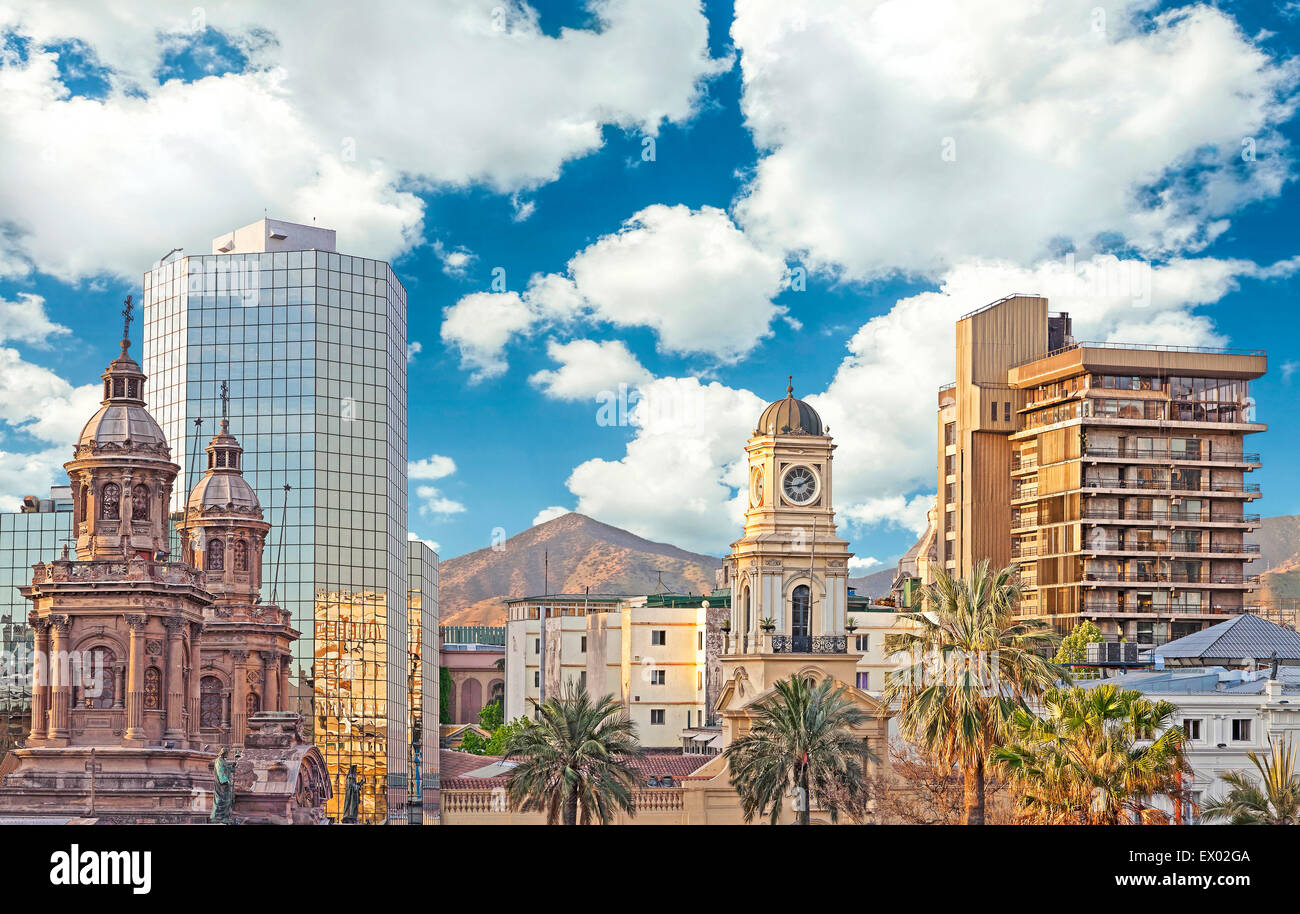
{"x":1239,"y":639}
{"x":270,"y":235}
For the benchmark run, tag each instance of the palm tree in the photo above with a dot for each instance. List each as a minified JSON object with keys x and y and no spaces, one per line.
{"x":1274,"y":801}
{"x":801,"y":740}
{"x":973,"y":665}
{"x":1096,"y":757}
{"x":573,"y":761}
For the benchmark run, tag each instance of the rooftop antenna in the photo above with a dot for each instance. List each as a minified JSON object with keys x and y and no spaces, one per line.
{"x":284,"y":514}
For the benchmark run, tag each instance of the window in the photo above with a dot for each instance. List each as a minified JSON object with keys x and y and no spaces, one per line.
{"x":659,"y":636}
{"x":584,"y":644}
{"x":800,"y":611}
{"x":864,"y":681}
{"x":241,"y":555}
{"x":699,"y":679}
{"x":994,"y":412}
{"x":537,"y":645}
{"x":864,"y":643}
{"x":657,"y":716}
{"x":99,"y":678}
{"x":253,"y":703}
{"x":700,"y":638}
{"x":209,"y":699}
{"x":140,"y":502}
{"x":582,"y":680}
{"x":109,"y":501}
{"x":216,"y":554}
{"x":153,"y":692}
{"x":1006,"y":411}
{"x":1192,"y":727}
{"x":537,"y":679}
{"x":658,"y":677}
{"x":1241,"y":730}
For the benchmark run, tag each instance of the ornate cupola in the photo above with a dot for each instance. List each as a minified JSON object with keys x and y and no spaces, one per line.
{"x":121,"y":472}
{"x":222,"y":532}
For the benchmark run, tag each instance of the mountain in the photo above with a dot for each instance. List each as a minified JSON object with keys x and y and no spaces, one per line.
{"x":584,"y":553}
{"x":1279,"y":562}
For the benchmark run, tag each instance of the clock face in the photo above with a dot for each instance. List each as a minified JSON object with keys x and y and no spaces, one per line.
{"x":799,"y":485}
{"x":756,"y":487}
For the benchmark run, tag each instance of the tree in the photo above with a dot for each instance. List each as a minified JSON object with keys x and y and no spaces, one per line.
{"x":491,"y":715}
{"x":801,"y":741}
{"x":445,"y":687}
{"x":1275,"y":800}
{"x":502,"y":736}
{"x":918,"y":790}
{"x":973,"y":665}
{"x":1074,"y":646}
{"x":573,"y":762}
{"x":1096,"y":757}
{"x":474,"y":743}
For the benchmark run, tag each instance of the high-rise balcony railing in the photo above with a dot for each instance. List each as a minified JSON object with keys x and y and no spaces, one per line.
{"x":1175,"y":485}
{"x":1170,"y":517}
{"x":1144,"y":453}
{"x":1170,"y":548}
{"x":1170,"y":577}
{"x":1167,"y":609}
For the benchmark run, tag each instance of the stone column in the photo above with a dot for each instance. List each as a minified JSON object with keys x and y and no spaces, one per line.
{"x":40,"y":680}
{"x":238,"y":697}
{"x":193,"y":679}
{"x":175,"y":678}
{"x":270,"y":681}
{"x":135,"y":678}
{"x":284,"y":684}
{"x":119,"y":685}
{"x":60,"y":680}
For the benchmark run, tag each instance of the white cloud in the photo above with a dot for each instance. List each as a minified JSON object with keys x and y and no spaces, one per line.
{"x":37,"y":401}
{"x":500,"y":104}
{"x":550,"y":513}
{"x":415,"y":537}
{"x":689,"y":275}
{"x":588,"y":368}
{"x":433,"y":502}
{"x":413,"y":349}
{"x":1061,"y":129}
{"x":682,"y":475}
{"x":435,"y":466}
{"x":30,"y":474}
{"x":860,"y":564}
{"x":678,"y":480}
{"x":456,"y":261}
{"x":25,"y":320}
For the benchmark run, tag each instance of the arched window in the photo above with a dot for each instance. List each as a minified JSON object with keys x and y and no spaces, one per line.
{"x":152,"y":689}
{"x":749,"y":612}
{"x":241,"y":555}
{"x":210,"y":702}
{"x":216,"y":554}
{"x":110,"y":500}
{"x":98,"y":678}
{"x":140,"y":502}
{"x":800,"y":611}
{"x":254,"y":703}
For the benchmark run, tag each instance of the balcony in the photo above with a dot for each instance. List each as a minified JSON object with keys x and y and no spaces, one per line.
{"x":810,"y":644}
{"x":1168,"y":548}
{"x":1248,"y":489}
{"x":1114,"y":607}
{"x":1161,"y":454}
{"x":1169,"y":517}
{"x":1204,"y":578}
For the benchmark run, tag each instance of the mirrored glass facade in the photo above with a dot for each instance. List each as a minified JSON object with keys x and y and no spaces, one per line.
{"x":26,"y":538}
{"x":422,"y":622}
{"x":313,"y":346}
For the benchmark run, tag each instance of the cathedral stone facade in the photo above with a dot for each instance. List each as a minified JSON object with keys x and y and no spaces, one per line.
{"x":146,"y":665}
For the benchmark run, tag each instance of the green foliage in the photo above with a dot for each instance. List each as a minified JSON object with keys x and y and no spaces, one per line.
{"x":444,"y":695}
{"x":1096,"y":757}
{"x":802,"y":739}
{"x":572,"y":764}
{"x":969,"y":664}
{"x":1074,"y":646}
{"x":473,"y":743}
{"x":492,"y":715}
{"x":1274,"y":800}
{"x":502,"y":735}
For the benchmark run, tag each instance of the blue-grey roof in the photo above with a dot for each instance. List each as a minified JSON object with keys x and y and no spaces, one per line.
{"x":1237,"y":638}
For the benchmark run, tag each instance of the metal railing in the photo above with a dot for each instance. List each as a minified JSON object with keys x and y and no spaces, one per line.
{"x":1169,"y":577}
{"x":1135,"y":453}
{"x":810,"y":644}
{"x":1170,"y":548}
{"x":1199,"y":517}
{"x":1245,"y":488}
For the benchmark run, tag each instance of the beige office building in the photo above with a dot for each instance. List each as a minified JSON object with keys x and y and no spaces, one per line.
{"x":1114,"y":475}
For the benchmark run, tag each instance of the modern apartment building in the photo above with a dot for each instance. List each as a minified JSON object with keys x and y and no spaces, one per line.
{"x":1114,"y":475}
{"x":312,"y":345}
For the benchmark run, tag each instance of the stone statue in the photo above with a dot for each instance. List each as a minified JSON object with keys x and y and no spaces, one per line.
{"x":351,"y":797}
{"x":223,"y":789}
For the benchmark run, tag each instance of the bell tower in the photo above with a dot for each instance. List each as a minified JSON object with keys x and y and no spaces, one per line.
{"x":789,"y":566}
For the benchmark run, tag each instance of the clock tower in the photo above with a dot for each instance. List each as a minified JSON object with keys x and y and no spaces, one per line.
{"x":789,"y":566}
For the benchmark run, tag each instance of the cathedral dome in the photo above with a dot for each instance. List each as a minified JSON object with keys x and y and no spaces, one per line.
{"x":223,"y":485}
{"x":122,"y":416}
{"x":790,"y":417}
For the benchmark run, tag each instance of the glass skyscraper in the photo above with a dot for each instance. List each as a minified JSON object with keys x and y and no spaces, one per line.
{"x":422,"y":605}
{"x":37,"y":533}
{"x":313,"y":346}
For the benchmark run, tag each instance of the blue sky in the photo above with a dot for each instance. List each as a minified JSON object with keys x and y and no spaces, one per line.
{"x":896,"y":160}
